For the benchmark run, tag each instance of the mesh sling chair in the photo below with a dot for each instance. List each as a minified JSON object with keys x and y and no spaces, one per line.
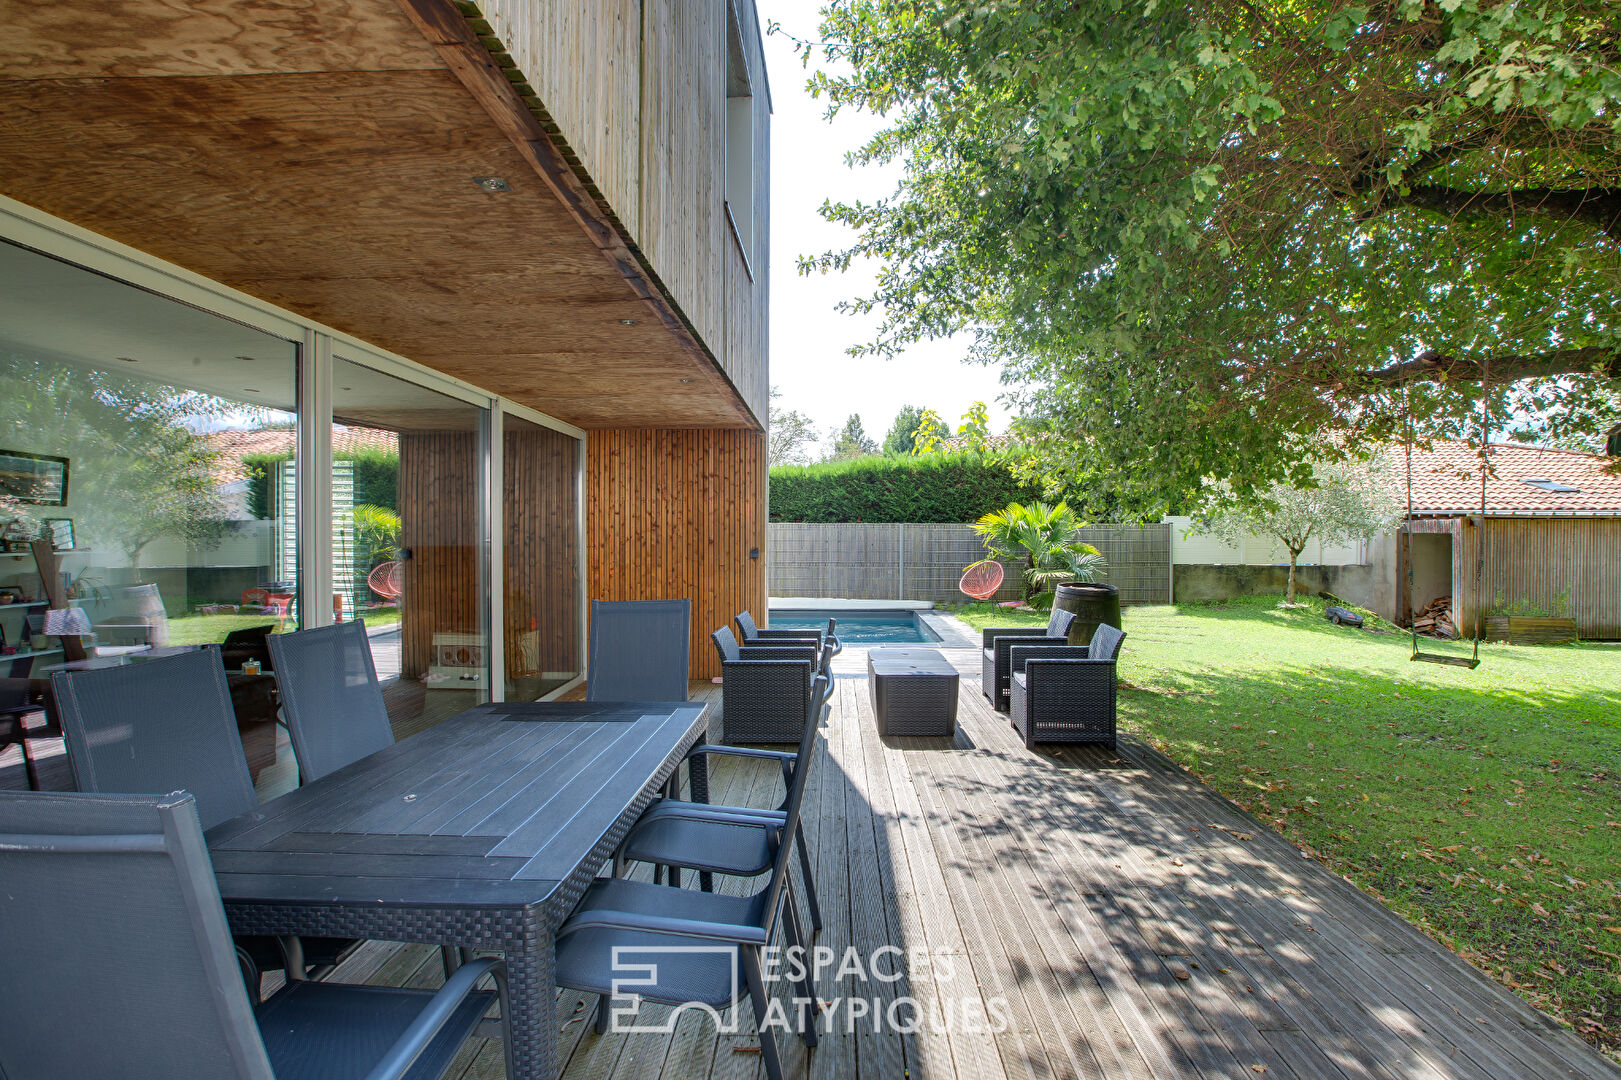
{"x":167,"y":725}
{"x":136,"y":977}
{"x":681,"y":947}
{"x":716,"y":839}
{"x":1066,"y":693}
{"x":765,"y":689}
{"x":330,"y":696}
{"x":639,"y":650}
{"x":753,"y":635}
{"x":997,"y":640}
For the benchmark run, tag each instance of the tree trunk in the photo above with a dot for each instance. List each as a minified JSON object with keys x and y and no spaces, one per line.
{"x":1293,"y":556}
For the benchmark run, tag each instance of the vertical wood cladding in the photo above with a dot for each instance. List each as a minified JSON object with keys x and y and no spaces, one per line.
{"x":439,"y":518}
{"x":541,"y":550}
{"x":675,"y":513}
{"x":1569,"y":567}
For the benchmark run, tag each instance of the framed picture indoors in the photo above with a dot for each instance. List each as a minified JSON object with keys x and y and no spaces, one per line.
{"x":60,"y":531}
{"x":34,"y":478}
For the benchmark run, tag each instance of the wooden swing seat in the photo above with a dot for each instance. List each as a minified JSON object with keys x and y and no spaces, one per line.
{"x":1453,"y":661}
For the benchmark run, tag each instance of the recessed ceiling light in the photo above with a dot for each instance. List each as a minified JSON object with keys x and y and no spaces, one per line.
{"x":492,"y":183}
{"x":127,"y":359}
{"x":628,"y":322}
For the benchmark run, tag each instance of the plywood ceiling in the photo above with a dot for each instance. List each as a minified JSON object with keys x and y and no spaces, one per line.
{"x":322,"y":157}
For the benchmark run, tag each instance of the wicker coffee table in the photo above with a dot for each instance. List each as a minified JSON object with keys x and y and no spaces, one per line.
{"x":914,"y":691}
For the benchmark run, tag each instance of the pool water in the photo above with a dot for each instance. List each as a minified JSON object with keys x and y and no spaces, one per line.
{"x":861,"y":627}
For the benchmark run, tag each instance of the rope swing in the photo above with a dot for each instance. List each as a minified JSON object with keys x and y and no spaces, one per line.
{"x":1472,"y":661}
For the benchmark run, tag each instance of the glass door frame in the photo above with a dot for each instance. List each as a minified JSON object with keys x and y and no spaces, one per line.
{"x":318,"y":344}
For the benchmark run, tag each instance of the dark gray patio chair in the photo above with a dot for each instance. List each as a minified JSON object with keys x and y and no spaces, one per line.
{"x":167,"y":725}
{"x":714,"y":838}
{"x":765,"y":690}
{"x":1066,"y":693}
{"x":330,"y":696}
{"x":639,"y":650}
{"x":995,"y":642}
{"x":753,"y":635}
{"x":624,"y":937}
{"x":126,"y":967}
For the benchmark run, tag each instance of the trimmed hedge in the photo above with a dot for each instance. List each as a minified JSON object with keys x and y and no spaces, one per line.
{"x":932,"y":488}
{"x":377,"y":475}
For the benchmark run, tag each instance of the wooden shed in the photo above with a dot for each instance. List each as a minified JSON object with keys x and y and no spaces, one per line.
{"x":1551,"y":531}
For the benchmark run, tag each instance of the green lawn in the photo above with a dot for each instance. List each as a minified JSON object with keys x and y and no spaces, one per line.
{"x":1484,"y":806}
{"x":207,"y":629}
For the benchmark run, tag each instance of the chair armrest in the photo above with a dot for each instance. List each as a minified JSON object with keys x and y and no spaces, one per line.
{"x":779,"y":652}
{"x":1007,"y":643}
{"x":729,"y":815}
{"x":791,"y":635}
{"x":988,"y":636}
{"x":605,"y":919}
{"x":785,"y":756}
{"x":1019,"y":655}
{"x":403,"y":1054}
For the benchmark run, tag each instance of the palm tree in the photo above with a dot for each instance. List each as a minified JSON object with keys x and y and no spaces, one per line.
{"x":1047,"y":536}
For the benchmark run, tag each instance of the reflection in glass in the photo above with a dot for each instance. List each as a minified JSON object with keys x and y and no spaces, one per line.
{"x":541,"y":559}
{"x":171,"y":423}
{"x":407,"y":540}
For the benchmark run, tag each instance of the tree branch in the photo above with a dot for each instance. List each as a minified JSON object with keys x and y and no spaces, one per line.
{"x":1598,"y":207}
{"x":1433,"y":366}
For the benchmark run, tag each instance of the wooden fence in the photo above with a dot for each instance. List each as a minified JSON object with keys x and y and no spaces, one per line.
{"x":924,"y":562}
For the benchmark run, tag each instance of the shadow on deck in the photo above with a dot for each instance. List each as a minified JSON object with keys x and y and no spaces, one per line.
{"x":1069,"y":913}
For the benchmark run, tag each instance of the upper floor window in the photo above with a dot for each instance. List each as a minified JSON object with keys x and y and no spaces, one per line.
{"x":740,"y":169}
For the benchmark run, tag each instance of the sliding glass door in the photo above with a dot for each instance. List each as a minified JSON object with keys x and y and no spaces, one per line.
{"x":541,"y":558}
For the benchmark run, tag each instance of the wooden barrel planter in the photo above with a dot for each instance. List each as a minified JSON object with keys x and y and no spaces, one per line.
{"x":1093,"y":603}
{"x":1530,"y":630}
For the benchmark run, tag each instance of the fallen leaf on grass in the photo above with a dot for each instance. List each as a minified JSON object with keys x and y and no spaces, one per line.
{"x":1540,"y":910}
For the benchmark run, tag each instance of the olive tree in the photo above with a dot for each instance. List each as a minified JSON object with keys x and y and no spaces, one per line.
{"x":1338,"y":504}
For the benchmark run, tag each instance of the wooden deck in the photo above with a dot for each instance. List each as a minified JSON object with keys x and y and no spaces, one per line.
{"x":1127,"y":921}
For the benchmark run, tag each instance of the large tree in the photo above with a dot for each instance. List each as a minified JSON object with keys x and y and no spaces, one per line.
{"x":851,"y":441}
{"x":1196,"y":234}
{"x":792,"y":434}
{"x":902,"y":437}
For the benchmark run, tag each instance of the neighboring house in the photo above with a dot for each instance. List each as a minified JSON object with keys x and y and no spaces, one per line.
{"x":527,"y":244}
{"x":1552,"y":534}
{"x":1552,"y":528}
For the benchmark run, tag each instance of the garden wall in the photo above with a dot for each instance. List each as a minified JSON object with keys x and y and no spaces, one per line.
{"x":925,"y":561}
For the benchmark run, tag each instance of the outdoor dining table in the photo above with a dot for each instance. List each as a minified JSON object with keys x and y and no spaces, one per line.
{"x":481,"y":832}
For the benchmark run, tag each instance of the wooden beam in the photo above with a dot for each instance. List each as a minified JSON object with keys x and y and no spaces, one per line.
{"x":444,"y":27}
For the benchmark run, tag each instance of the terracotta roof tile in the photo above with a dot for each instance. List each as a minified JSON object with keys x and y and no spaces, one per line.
{"x":1446,"y":479}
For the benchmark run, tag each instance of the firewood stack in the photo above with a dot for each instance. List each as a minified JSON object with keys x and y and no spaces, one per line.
{"x":1436,"y":619}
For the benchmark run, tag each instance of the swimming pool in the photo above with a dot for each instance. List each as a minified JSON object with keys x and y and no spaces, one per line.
{"x":862,"y":627}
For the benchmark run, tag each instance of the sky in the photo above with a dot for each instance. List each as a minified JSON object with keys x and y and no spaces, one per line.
{"x":809,"y":336}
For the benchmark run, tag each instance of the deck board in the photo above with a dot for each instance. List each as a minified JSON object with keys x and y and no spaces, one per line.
{"x":1076,"y":886}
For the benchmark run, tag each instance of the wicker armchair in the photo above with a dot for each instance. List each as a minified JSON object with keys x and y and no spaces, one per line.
{"x":765,"y":690}
{"x":1066,"y":693}
{"x":996,"y":641}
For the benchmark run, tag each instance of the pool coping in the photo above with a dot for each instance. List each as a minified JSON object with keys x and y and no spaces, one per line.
{"x":951,"y":631}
